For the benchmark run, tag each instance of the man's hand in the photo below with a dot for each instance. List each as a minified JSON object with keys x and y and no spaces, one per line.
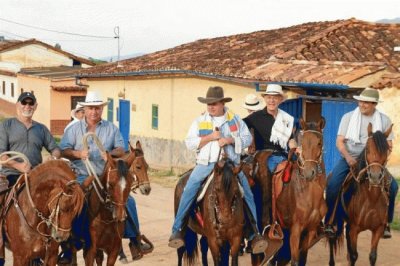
{"x":84,"y":154}
{"x":225,"y":141}
{"x":23,"y":167}
{"x":215,"y":135}
{"x":351,"y":161}
{"x":292,"y":144}
{"x":104,"y":155}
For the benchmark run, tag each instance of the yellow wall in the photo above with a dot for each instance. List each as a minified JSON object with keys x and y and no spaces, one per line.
{"x":176,"y":99}
{"x":41,"y":89}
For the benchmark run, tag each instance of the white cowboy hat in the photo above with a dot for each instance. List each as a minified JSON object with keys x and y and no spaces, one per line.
{"x":77,"y":108}
{"x":368,"y":95}
{"x":93,"y":98}
{"x":273,"y":89}
{"x":253,"y":103}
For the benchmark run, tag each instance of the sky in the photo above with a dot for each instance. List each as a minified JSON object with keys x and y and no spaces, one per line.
{"x":153,"y":25}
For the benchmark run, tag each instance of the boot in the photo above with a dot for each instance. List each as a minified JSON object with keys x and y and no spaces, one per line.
{"x":386,"y":233}
{"x":176,"y":240}
{"x":258,"y":243}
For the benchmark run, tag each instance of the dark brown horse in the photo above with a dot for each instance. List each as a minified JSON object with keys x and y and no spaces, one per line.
{"x":107,"y":213}
{"x":367,"y":209}
{"x":39,"y":212}
{"x":222,"y":213}
{"x":301,"y":205}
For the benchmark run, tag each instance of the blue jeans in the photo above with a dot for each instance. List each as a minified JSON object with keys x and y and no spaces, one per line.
{"x":273,"y":161}
{"x":334,"y":184}
{"x":198,"y":175}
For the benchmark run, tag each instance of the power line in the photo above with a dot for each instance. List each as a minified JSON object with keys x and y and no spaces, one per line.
{"x":56,"y":31}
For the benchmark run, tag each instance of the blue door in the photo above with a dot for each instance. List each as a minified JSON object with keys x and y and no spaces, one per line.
{"x":294,"y":107}
{"x":333,"y":111}
{"x":124,"y":120}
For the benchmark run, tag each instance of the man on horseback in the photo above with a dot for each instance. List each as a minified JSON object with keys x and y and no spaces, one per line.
{"x":111,"y":138}
{"x":273,"y":131}
{"x":233,"y":136}
{"x":23,"y":134}
{"x":351,"y":140}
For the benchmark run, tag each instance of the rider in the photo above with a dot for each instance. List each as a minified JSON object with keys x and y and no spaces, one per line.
{"x":111,"y":138}
{"x":233,"y":136}
{"x":23,"y":134}
{"x":273,"y":131}
{"x":351,"y":140}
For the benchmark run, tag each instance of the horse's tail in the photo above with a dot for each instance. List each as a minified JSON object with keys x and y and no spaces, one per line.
{"x":191,"y":250}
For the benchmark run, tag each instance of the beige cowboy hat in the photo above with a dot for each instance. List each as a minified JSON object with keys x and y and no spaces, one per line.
{"x":274,"y":89}
{"x":214,"y":94}
{"x":253,"y":103}
{"x":93,"y":98}
{"x":368,"y":95}
{"x":78,"y":108}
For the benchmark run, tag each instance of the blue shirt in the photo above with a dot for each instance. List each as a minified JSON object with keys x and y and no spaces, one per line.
{"x":108,"y":134}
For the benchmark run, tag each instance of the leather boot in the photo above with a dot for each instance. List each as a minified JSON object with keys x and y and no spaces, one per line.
{"x":258,"y":243}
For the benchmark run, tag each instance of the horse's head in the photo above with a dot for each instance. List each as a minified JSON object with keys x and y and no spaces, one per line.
{"x":138,"y":167}
{"x":64,"y":204}
{"x":226,"y":189}
{"x":310,"y":158}
{"x":117,"y":181}
{"x":376,"y":154}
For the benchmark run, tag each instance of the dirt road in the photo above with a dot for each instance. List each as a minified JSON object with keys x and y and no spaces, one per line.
{"x":156,"y":217}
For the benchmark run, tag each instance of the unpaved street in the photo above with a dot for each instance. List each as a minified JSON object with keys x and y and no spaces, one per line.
{"x":156,"y":216}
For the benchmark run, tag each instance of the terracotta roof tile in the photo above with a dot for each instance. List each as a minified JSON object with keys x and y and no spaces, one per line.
{"x":253,"y":55}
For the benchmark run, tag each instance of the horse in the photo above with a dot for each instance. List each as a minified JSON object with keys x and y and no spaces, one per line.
{"x":367,"y":209}
{"x":222,"y":212}
{"x":107,"y":199}
{"x":39,"y":211}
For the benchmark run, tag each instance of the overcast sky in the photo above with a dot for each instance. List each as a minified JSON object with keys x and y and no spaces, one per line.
{"x":152,"y":25}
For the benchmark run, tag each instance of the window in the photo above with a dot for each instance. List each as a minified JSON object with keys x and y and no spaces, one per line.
{"x":12,"y":89}
{"x":154,"y":116}
{"x":110,"y":109}
{"x":4,"y":87}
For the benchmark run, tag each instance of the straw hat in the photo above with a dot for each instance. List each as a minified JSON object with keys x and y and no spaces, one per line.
{"x":253,"y":103}
{"x":93,"y":98}
{"x":368,"y":95}
{"x":78,"y":108}
{"x":273,"y":89}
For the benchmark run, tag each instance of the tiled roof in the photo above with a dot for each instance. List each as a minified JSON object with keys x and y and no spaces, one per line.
{"x":51,"y":72}
{"x":10,"y":45}
{"x":70,"y":88}
{"x":7,"y":73}
{"x":324,"y":52}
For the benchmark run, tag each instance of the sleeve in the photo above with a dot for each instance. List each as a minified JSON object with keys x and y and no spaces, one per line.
{"x":244,"y":134}
{"x":386,"y":123}
{"x":68,"y":140}
{"x":3,"y":138}
{"x":193,"y":139}
{"x":49,"y":141}
{"x":344,"y":124}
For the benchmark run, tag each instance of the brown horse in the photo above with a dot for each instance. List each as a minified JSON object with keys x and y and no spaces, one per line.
{"x":367,"y":209}
{"x":107,"y":212}
{"x":301,"y":205}
{"x":222,"y":213}
{"x":39,"y":211}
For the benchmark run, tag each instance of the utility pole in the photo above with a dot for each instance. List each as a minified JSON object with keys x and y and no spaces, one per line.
{"x":116,"y":32}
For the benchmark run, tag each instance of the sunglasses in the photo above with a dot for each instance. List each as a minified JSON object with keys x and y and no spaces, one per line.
{"x":30,"y":103}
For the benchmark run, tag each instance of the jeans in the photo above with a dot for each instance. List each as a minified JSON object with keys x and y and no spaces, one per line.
{"x":198,"y":175}
{"x":273,"y":161}
{"x":334,"y":184}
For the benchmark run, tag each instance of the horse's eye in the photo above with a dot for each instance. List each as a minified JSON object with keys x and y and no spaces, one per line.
{"x":138,"y":167}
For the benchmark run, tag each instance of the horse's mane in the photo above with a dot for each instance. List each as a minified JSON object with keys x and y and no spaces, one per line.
{"x":122,"y":168}
{"x":227,"y":176}
{"x":381,"y":145}
{"x":59,"y":164}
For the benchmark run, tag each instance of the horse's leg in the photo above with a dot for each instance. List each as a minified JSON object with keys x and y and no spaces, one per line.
{"x":295,"y":233}
{"x":376,"y":235}
{"x":113,"y":255}
{"x":99,"y":257}
{"x":235,"y":246}
{"x":215,"y":251}
{"x":352,"y":243}
{"x":332,"y":242}
{"x":90,"y":255}
{"x":204,"y":250}
{"x":180,"y":251}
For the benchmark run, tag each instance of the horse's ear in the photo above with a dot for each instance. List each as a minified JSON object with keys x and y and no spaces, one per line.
{"x":321,"y":123}
{"x":303,"y":124}
{"x":369,"y":129}
{"x":138,"y":145}
{"x":388,"y":131}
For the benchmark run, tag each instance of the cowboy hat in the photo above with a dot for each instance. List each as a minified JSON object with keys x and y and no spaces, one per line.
{"x":273,"y":89}
{"x":253,"y":103}
{"x":368,"y":95}
{"x":78,"y":108}
{"x":214,"y":94}
{"x":93,"y":98}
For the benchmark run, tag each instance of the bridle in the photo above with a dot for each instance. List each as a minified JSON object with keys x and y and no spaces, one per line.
{"x":136,"y":180}
{"x":300,"y":159}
